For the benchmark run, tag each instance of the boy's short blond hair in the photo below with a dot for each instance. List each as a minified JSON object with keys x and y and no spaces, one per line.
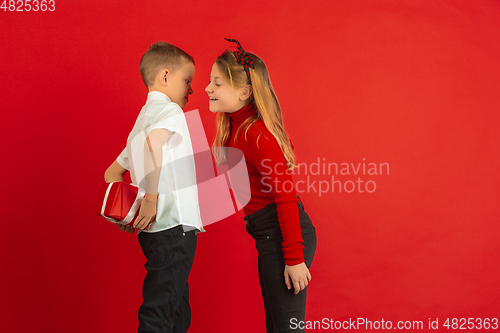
{"x":161,"y":55}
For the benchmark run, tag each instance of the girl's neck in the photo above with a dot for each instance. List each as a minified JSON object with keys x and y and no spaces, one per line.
{"x":245,"y":112}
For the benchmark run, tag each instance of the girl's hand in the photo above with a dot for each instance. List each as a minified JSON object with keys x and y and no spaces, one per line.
{"x":298,"y":275}
{"x":147,"y":213}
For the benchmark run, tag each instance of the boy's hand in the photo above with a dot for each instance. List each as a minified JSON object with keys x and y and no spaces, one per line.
{"x":298,"y":275}
{"x":147,"y":213}
{"x":125,"y":227}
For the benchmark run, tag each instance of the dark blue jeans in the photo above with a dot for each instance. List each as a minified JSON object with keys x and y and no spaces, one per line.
{"x":280,"y":304}
{"x":170,"y":254}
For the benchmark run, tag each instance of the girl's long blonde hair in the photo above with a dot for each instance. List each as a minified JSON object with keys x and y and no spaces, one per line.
{"x":264,"y":99}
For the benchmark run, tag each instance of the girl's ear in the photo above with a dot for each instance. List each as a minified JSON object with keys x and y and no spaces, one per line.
{"x":246,"y":92}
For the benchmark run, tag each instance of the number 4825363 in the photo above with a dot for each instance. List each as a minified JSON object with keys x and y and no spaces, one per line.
{"x":28,"y":5}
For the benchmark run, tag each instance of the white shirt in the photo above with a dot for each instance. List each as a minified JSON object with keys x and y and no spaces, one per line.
{"x":177,"y":188}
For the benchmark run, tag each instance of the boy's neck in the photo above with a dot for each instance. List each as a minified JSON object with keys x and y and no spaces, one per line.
{"x":158,"y":89}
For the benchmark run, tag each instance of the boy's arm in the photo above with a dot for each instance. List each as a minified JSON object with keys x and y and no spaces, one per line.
{"x":153,"y":158}
{"x":114,"y":173}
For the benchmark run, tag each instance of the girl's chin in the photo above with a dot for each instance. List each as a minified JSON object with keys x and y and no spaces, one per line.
{"x":213,"y":110}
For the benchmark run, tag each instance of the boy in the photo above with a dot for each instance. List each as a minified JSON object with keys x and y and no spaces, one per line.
{"x":159,"y":156}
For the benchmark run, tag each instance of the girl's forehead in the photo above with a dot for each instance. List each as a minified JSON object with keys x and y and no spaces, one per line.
{"x":215,"y":70}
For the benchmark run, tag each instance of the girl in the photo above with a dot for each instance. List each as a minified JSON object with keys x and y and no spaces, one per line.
{"x":249,"y":118}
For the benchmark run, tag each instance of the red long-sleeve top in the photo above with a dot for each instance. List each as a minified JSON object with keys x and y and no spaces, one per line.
{"x":269,"y":179}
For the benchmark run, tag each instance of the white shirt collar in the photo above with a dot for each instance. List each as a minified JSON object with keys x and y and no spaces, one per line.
{"x":157,"y":96}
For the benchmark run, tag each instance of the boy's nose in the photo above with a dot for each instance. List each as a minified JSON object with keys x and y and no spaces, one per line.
{"x":207,"y":88}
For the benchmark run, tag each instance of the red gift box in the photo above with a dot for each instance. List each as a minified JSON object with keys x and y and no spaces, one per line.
{"x":119,"y":202}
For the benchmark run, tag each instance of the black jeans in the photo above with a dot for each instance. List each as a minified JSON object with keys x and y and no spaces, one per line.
{"x":281,"y":305}
{"x":170,"y":254}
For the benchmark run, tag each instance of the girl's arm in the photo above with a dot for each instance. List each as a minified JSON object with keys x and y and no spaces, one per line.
{"x":268,"y":158}
{"x":296,"y":273}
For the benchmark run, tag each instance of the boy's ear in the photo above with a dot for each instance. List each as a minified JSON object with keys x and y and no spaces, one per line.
{"x":246,"y":92}
{"x":163,"y":76}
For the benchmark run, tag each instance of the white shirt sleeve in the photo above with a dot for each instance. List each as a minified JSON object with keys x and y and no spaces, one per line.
{"x":122,"y":159}
{"x":171,"y":118}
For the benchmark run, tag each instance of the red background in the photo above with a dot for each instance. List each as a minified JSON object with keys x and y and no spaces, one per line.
{"x":410,"y":83}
